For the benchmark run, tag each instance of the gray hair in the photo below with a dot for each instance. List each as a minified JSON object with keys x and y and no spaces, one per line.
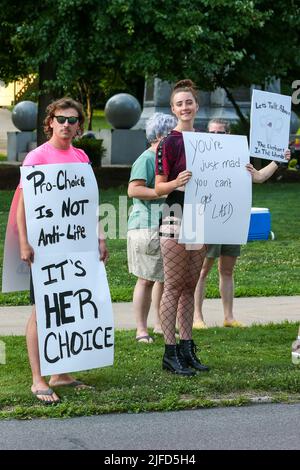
{"x":159,"y":125}
{"x":220,"y":121}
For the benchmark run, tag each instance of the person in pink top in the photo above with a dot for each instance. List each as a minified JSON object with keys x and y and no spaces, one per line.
{"x":64,"y":121}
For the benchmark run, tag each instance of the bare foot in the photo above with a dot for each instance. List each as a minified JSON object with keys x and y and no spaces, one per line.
{"x":199,"y":325}
{"x":44,"y":393}
{"x":232,"y":323}
{"x":157,"y":330}
{"x":66,"y":380}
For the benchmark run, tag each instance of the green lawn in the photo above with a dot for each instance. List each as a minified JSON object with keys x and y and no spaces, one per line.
{"x":245,"y":364}
{"x":265,"y":267}
{"x":99,"y":121}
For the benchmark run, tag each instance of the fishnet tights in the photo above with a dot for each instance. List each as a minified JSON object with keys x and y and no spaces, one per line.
{"x":181,"y":270}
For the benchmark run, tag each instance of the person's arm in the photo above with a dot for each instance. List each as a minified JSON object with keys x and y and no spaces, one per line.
{"x":260,"y":176}
{"x":139,"y":190}
{"x":162,"y":186}
{"x":26,"y":250}
{"x":103,"y":250}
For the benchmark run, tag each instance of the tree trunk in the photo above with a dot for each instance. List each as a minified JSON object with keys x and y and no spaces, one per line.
{"x":140,"y":89}
{"x":237,"y":109}
{"x":257,"y":162}
{"x":46,"y":72}
{"x":81,"y":93}
{"x":87,"y":102}
{"x":90,"y":123}
{"x":89,"y":109}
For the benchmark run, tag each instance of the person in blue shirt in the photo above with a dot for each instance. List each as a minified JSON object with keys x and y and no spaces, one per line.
{"x":143,"y":247}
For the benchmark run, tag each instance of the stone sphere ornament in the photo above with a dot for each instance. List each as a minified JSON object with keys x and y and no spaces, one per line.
{"x":122,"y":111}
{"x":24,"y":115}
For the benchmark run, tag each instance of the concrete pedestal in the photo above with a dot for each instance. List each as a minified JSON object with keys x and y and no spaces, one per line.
{"x":19,"y":144}
{"x":123,"y":146}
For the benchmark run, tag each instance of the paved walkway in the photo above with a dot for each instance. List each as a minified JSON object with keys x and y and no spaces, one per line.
{"x":249,"y":310}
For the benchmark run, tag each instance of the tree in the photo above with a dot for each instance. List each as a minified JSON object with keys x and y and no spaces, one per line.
{"x":218,"y":43}
{"x":273,"y":53}
{"x":72,"y":43}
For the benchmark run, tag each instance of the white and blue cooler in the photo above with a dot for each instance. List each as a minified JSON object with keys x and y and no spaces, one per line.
{"x":260,"y":224}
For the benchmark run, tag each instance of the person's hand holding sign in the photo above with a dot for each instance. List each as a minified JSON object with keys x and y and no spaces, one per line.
{"x":27,"y":253}
{"x":260,"y":176}
{"x":183,"y":178}
{"x":26,"y":250}
{"x":104,"y":254}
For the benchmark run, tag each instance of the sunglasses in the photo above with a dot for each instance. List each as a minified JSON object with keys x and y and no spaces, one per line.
{"x":217,"y":132}
{"x":70,"y":119}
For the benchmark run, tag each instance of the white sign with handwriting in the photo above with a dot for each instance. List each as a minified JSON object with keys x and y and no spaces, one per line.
{"x":217,"y":203}
{"x":269,"y":125}
{"x":74,"y":311}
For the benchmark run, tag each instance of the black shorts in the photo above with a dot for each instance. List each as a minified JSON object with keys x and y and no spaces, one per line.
{"x":170,"y":222}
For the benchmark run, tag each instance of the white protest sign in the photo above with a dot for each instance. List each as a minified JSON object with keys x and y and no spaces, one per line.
{"x":269,"y":125}
{"x":15,"y":272}
{"x":217,"y":202}
{"x":61,"y":203}
{"x":74,"y":312}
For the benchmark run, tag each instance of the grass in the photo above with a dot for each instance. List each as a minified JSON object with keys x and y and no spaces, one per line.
{"x":245,"y":364}
{"x":99,"y":121}
{"x":265,"y":268}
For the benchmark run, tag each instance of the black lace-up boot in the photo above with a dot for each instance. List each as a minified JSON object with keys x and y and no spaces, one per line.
{"x":174,"y":362}
{"x":188,"y":351}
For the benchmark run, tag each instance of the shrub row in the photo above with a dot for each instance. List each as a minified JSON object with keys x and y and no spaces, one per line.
{"x":93,"y":148}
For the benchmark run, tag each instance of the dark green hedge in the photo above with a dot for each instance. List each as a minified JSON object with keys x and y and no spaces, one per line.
{"x":93,"y":148}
